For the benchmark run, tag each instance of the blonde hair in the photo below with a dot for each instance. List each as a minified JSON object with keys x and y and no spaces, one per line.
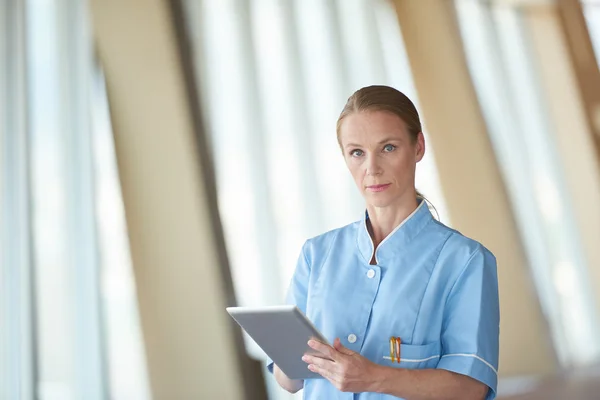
{"x":383,"y":98}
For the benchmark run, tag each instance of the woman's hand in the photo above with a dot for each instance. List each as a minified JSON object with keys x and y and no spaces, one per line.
{"x":347,"y":370}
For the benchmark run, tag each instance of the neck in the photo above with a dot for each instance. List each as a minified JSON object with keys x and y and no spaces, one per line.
{"x":383,"y":220}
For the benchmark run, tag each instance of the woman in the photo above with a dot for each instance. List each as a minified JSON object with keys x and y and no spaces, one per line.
{"x":397,"y":273}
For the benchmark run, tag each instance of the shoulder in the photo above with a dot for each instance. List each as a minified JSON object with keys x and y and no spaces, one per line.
{"x":459,"y":251}
{"x":321,"y":245}
{"x":459,"y":244}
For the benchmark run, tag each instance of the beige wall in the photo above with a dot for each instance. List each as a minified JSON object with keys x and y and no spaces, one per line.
{"x":470,"y":177}
{"x":193,"y":348}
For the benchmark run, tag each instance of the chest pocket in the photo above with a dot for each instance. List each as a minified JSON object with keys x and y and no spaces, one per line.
{"x":413,"y":356}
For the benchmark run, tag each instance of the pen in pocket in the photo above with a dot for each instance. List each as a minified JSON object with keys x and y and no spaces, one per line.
{"x":395,"y":348}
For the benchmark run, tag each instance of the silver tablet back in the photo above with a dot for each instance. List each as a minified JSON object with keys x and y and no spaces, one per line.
{"x":282,"y":332}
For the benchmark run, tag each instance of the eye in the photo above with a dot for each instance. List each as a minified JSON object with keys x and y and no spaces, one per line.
{"x":389,"y":148}
{"x":356,"y":153}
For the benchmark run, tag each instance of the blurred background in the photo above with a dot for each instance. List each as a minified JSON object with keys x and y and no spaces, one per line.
{"x":161,"y":160}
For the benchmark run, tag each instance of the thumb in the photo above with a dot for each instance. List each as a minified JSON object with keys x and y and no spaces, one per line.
{"x":337,"y":344}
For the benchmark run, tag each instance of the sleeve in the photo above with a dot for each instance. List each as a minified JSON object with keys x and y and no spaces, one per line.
{"x":470,"y":330}
{"x":297,"y":289}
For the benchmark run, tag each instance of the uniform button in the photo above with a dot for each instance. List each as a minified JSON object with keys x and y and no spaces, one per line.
{"x":371,"y":274}
{"x":352,"y":338}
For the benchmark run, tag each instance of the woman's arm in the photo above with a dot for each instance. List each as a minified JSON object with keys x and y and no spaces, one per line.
{"x":349,"y":371}
{"x":291,"y":385}
{"x":428,"y":384}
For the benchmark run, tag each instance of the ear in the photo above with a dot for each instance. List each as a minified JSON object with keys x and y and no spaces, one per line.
{"x":420,"y":147}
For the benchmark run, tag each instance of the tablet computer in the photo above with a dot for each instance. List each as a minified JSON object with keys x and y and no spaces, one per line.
{"x":283,"y":333}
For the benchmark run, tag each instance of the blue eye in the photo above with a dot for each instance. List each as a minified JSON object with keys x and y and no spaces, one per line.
{"x":389,"y":147}
{"x":356,"y":153}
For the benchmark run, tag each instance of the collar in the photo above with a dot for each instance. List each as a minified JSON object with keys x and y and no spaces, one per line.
{"x":397,"y":240}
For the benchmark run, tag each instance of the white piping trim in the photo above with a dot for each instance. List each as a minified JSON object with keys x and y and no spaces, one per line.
{"x":473,"y":356}
{"x":411,"y":360}
{"x":370,"y":240}
{"x":391,"y":234}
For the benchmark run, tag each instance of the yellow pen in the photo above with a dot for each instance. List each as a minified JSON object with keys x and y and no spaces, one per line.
{"x":392,"y":340}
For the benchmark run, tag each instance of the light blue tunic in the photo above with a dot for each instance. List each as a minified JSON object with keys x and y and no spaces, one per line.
{"x":433,"y":287}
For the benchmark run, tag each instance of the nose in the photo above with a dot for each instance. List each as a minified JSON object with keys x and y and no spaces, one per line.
{"x":373,"y":166}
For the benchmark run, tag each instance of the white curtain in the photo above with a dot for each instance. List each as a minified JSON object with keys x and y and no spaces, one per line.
{"x":68,"y":311}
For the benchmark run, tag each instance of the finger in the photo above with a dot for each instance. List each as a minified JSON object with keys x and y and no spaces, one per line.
{"x":321,"y":371}
{"x":320,"y":362}
{"x":318,"y":354}
{"x":322,"y":348}
{"x":337,"y":344}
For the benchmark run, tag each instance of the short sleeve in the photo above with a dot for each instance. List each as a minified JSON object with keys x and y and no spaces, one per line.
{"x":297,"y":289}
{"x":470,"y":330}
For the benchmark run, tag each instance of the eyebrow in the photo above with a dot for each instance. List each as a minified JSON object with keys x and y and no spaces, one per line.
{"x":386,"y":140}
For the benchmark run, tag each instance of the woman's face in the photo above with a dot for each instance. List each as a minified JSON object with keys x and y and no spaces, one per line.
{"x":380,"y":155}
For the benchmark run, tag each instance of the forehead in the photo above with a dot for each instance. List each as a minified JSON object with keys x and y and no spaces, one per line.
{"x":371,"y":126}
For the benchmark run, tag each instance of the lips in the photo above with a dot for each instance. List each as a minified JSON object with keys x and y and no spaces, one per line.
{"x":378,"y":188}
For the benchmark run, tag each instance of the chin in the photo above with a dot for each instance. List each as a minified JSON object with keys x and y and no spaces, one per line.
{"x":379,"y":200}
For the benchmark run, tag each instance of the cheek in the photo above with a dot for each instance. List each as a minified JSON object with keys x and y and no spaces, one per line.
{"x":356,"y":170}
{"x":399,"y":168}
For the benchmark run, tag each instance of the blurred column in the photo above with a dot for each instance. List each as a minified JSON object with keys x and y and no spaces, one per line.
{"x":584,"y":63}
{"x":571,"y":84}
{"x":193,"y":348}
{"x":470,"y":178}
